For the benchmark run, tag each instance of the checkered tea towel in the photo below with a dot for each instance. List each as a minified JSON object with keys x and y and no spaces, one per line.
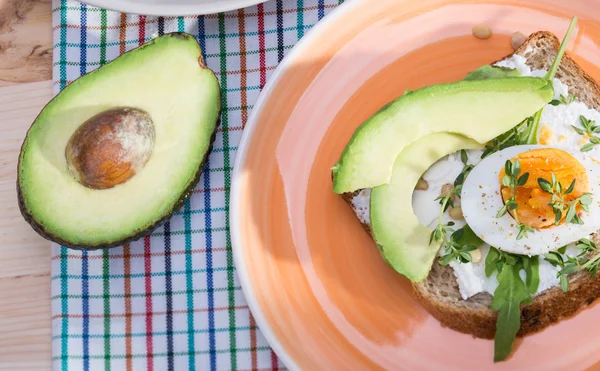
{"x":171,"y":301}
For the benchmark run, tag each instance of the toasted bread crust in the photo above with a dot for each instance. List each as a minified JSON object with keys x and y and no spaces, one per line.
{"x":474,"y":316}
{"x":541,"y":47}
{"x":439,"y":292}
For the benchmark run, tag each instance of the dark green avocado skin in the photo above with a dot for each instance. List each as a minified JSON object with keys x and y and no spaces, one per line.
{"x":39,"y":228}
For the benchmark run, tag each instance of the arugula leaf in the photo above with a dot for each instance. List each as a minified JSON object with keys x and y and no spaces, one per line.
{"x":491,"y":261}
{"x":509,"y":295}
{"x":469,"y":237}
{"x":532,"y":270}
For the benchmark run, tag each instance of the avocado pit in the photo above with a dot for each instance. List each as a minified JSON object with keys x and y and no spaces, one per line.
{"x":111,"y":147}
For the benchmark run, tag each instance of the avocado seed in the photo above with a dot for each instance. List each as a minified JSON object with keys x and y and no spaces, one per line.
{"x":111,"y":147}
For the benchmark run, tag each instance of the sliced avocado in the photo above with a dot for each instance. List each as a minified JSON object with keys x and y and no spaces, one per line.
{"x":119,"y":149}
{"x":402,"y":240}
{"x":480,"y":109}
{"x":489,"y":72}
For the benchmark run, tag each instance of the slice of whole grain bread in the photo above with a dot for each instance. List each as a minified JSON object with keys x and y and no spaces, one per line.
{"x":439,"y":292}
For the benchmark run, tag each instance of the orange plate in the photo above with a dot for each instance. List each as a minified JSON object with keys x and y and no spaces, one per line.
{"x":314,"y":280}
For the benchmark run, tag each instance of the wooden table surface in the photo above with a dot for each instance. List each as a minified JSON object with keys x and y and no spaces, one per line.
{"x":25,"y":74}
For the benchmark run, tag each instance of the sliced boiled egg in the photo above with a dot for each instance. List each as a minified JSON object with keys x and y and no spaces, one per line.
{"x":484,"y":194}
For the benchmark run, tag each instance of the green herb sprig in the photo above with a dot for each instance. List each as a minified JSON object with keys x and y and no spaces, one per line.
{"x":460,"y":179}
{"x":558,"y":203}
{"x":446,"y":202}
{"x":511,"y":292}
{"x":461,"y":242}
{"x":590,"y":129}
{"x":532,"y":138}
{"x":515,"y":136}
{"x":572,"y":264}
{"x":512,"y":180}
{"x":459,"y":246}
{"x":563,"y":100}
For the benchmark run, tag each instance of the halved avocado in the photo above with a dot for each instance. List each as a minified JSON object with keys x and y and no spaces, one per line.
{"x":117,"y":151}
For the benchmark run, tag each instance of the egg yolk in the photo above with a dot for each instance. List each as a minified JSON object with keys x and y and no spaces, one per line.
{"x":533,"y":202}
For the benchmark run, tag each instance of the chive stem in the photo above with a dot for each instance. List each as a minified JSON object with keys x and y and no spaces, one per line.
{"x":561,"y":51}
{"x":532,"y":135}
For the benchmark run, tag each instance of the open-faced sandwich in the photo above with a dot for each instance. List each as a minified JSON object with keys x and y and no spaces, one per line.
{"x":485,"y":192}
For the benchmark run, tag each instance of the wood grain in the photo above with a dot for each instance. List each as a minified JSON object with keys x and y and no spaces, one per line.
{"x":25,"y":321}
{"x":24,"y":256}
{"x":25,"y":57}
{"x":25,"y":41}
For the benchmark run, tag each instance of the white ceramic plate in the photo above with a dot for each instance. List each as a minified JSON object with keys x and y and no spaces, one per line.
{"x":172,"y":7}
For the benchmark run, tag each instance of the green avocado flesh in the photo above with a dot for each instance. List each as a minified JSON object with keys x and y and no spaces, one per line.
{"x":479,"y":109}
{"x":402,"y":240}
{"x":167,"y":79}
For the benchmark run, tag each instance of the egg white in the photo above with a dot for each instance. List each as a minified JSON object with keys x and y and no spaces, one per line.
{"x":481,"y":199}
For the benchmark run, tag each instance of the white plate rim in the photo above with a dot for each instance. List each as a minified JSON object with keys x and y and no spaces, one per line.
{"x":171,"y":10}
{"x":243,"y":148}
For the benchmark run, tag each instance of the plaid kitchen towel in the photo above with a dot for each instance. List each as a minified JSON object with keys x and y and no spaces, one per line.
{"x":171,"y":301}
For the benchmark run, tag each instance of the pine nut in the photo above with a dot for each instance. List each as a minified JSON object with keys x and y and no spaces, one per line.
{"x":476,"y":255}
{"x":446,"y":188}
{"x":422,"y":185}
{"x":456,"y":213}
{"x":482,"y":32}
{"x":517,"y":39}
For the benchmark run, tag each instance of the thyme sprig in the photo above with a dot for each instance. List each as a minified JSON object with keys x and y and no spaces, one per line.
{"x":558,"y":202}
{"x":590,"y":129}
{"x":512,"y":180}
{"x":563,"y":100}
{"x":453,"y":241}
{"x":447,"y":200}
{"x":572,"y":264}
{"x":459,"y":246}
{"x":513,"y":137}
